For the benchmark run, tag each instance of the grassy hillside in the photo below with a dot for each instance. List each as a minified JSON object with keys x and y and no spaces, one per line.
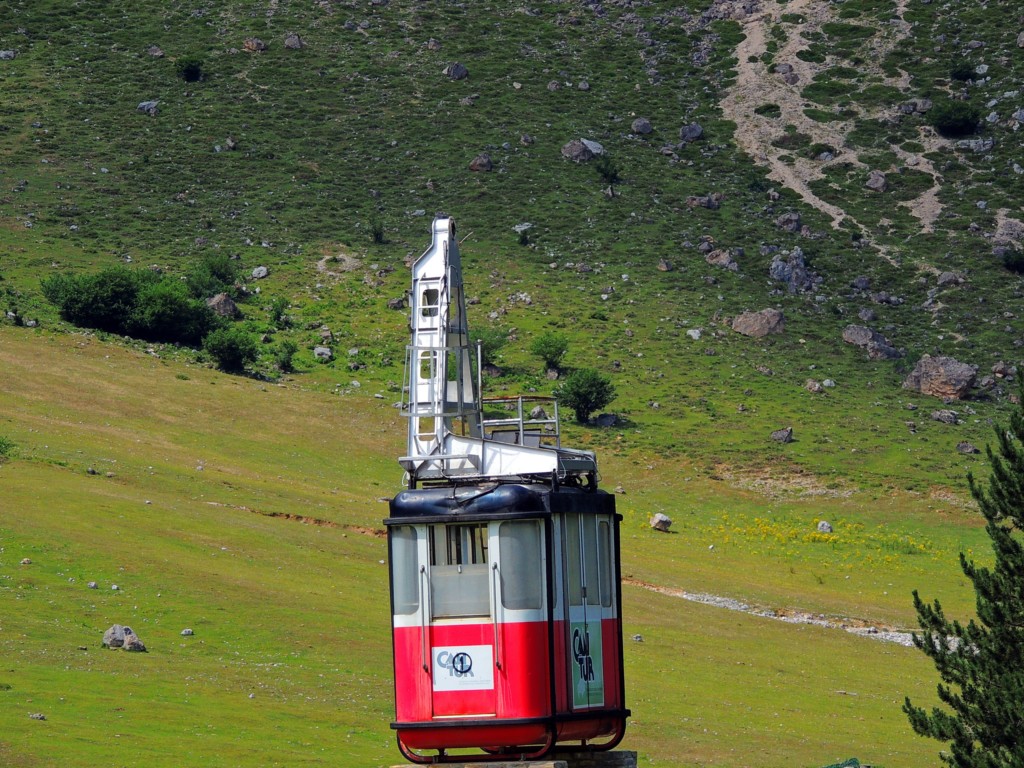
{"x":324,"y":162}
{"x":258,"y":526}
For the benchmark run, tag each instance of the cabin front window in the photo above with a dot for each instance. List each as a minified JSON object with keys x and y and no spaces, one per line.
{"x":404,"y":570}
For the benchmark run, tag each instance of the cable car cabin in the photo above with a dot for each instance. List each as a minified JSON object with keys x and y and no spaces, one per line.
{"x":505,"y":606}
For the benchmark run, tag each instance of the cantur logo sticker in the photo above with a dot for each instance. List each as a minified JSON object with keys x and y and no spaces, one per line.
{"x":463,"y":668}
{"x":587,"y":666}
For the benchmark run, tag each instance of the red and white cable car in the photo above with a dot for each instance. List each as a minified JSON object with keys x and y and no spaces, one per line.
{"x":504,"y":557}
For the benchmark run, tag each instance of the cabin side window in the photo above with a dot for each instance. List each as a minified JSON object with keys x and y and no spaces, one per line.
{"x":522,"y":577}
{"x":404,"y":570}
{"x":587,"y":583}
{"x":458,"y":570}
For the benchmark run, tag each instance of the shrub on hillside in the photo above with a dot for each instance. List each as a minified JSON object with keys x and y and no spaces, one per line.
{"x":284,"y":358}
{"x":231,"y":348}
{"x":130,"y":302}
{"x":214,"y":273}
{"x":550,"y":347}
{"x":491,"y":341}
{"x":953,"y":118}
{"x":164,"y":311}
{"x":585,"y":391}
{"x":190,"y":69}
{"x":1013,"y":260}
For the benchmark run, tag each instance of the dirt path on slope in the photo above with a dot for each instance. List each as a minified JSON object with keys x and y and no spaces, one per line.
{"x":757,"y":84}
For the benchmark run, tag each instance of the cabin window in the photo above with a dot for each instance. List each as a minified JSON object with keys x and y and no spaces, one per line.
{"x":582,"y":568}
{"x":404,"y":570}
{"x":458,"y":572}
{"x":522,"y":577}
{"x":604,"y":547}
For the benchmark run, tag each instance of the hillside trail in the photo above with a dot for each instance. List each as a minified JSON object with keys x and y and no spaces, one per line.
{"x":756,"y":84}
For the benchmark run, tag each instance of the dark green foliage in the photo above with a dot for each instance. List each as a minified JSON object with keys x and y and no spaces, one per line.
{"x":769,"y":110}
{"x":1013,"y":260}
{"x":104,"y":300}
{"x":491,"y":341}
{"x":278,"y":308}
{"x":6,"y":448}
{"x":131,"y":302}
{"x":550,"y":347}
{"x":283,"y":359}
{"x":982,"y":663}
{"x":231,"y":348}
{"x":190,"y":69}
{"x":214,"y":273}
{"x":377,"y":232}
{"x":962,"y":71}
{"x":607,"y":169}
{"x":954,"y":118}
{"x":585,"y":391}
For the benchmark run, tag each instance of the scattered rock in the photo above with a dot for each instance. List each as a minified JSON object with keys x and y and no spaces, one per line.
{"x":481,"y":163}
{"x":223,"y":305}
{"x":26,"y":561}
{"x":867,"y":315}
{"x":661,"y":522}
{"x":790,"y":222}
{"x":966,"y":448}
{"x":294,"y":42}
{"x":642,"y":126}
{"x":606,"y":420}
{"x":155,"y":51}
{"x":783,"y":435}
{"x":254,"y":45}
{"x":946,"y":416}
{"x":577,"y":151}
{"x":148,"y":107}
{"x":583,"y":85}
{"x":1003,"y":370}
{"x":35,"y":715}
{"x":976,"y":145}
{"x":722,"y":258}
{"x":187,"y":633}
{"x":8,"y":55}
{"x":132,"y":642}
{"x":259,"y":273}
{"x":691,"y":132}
{"x":322,"y":353}
{"x":758,"y":324}
{"x":456,"y":71}
{"x":93,"y":585}
{"x":114,"y":637}
{"x":433,"y":45}
{"x":397,"y":303}
{"x":875,"y":344}
{"x":876,"y":181}
{"x":538,"y":413}
{"x":947,"y":279}
{"x":664,"y":266}
{"x":792,"y":270}
{"x":941,"y":376}
{"x":815,"y":387}
{"x":824,"y":526}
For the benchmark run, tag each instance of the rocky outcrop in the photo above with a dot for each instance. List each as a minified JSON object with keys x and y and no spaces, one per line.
{"x":875,"y":344}
{"x":943,"y":377}
{"x":758,"y":324}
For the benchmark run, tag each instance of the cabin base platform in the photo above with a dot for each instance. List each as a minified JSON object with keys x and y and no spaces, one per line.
{"x":615,"y":759}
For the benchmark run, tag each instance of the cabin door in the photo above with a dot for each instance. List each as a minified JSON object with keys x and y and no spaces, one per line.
{"x":588,"y":587}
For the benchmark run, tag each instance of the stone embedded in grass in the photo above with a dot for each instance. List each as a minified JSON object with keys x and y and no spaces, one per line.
{"x":155,"y":51}
{"x":294,"y":42}
{"x":187,"y":632}
{"x":759,"y":324}
{"x":254,"y":45}
{"x":690,"y":133}
{"x":824,"y":526}
{"x":8,"y":55}
{"x":581,"y":150}
{"x":875,"y":344}
{"x":814,"y":387}
{"x":661,"y":522}
{"x":132,"y":642}
{"x":456,"y":71}
{"x":148,"y":107}
{"x":946,"y":416}
{"x":113,"y":638}
{"x":642,"y":126}
{"x":876,"y":181}
{"x":790,"y":222}
{"x":966,"y":448}
{"x":259,"y":273}
{"x":322,"y":353}
{"x":784,"y":435}
{"x":941,"y":376}
{"x":223,"y":305}
{"x":481,"y":163}
{"x":722,"y":257}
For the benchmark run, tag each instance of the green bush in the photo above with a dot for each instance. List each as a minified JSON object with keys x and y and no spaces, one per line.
{"x":962,"y":71}
{"x":6,"y":448}
{"x":231,"y":348}
{"x":104,"y":301}
{"x":491,"y":341}
{"x":285,"y":354}
{"x":608,"y":170}
{"x":585,"y":391}
{"x":1013,"y":260}
{"x":214,"y":273}
{"x":550,"y":347}
{"x":954,"y":118}
{"x":190,"y":69}
{"x":165,"y":311}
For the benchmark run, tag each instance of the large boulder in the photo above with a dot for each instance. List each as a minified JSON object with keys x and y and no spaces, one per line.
{"x":223,"y":305}
{"x":941,"y":376}
{"x":875,"y":344}
{"x":792,"y":270}
{"x":114,"y":637}
{"x":577,"y":151}
{"x":758,"y":324}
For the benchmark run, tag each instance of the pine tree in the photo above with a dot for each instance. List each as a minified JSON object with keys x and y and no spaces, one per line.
{"x":982,"y":663}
